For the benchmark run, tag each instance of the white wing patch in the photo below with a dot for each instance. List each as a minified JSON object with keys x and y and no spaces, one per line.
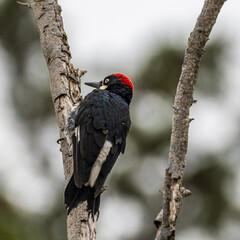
{"x":97,"y":166}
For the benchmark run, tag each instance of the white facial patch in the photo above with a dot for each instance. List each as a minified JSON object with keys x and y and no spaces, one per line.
{"x":103,"y":87}
{"x":97,"y":166}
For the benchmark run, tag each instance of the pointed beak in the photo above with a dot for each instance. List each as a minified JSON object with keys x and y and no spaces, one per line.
{"x":94,"y":84}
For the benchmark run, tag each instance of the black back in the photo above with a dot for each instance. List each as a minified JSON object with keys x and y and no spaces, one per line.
{"x":102,"y":116}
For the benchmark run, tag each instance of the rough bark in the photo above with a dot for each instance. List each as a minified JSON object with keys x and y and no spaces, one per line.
{"x":173,"y":190}
{"x":65,"y":90}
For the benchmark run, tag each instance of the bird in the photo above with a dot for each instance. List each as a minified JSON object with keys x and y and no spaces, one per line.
{"x":96,"y":130}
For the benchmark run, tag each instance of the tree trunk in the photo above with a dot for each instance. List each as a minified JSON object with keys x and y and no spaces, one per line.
{"x":173,"y":190}
{"x":66,"y":91}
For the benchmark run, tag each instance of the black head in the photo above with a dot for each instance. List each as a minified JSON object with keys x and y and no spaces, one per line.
{"x":116,"y":83}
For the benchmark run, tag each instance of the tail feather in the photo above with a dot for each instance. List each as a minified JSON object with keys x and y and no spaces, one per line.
{"x":74,"y":195}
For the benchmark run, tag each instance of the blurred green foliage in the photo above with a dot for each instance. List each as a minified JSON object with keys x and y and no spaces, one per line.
{"x":33,"y":104}
{"x":160,"y":75}
{"x":17,"y":225}
{"x":162,"y":72}
{"x":19,"y":36}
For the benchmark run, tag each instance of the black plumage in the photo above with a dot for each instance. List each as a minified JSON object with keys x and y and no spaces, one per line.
{"x":98,"y":127}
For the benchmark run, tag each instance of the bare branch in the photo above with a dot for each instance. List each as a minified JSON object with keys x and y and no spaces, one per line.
{"x":186,"y":192}
{"x":24,"y":4}
{"x":65,"y":90}
{"x":173,"y":190}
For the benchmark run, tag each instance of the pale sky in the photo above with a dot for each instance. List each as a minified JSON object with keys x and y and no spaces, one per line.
{"x":122,"y":35}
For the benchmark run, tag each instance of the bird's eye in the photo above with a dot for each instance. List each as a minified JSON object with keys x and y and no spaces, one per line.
{"x":106,"y":81}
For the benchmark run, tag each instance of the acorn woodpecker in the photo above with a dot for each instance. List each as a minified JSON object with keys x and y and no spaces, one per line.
{"x":97,"y":129}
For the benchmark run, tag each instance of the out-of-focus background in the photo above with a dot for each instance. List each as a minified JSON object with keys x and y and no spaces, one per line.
{"x":146,"y":41}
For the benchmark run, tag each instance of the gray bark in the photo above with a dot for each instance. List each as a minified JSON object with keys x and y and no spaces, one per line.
{"x":173,"y":190}
{"x":66,"y":91}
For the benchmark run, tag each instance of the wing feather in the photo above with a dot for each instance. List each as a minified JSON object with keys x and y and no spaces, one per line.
{"x":103,"y":116}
